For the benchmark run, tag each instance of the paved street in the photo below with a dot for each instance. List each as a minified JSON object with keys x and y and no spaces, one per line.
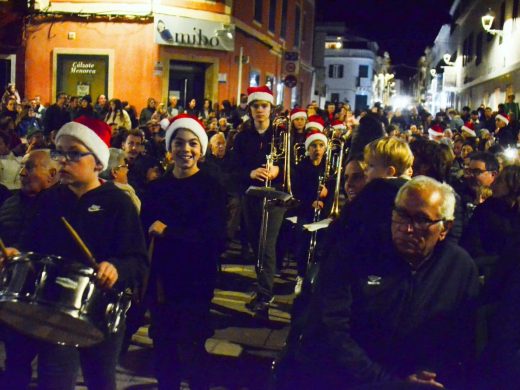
{"x":242,"y":347}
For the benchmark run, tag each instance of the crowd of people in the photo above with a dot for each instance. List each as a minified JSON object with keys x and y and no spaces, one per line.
{"x":415,"y":283}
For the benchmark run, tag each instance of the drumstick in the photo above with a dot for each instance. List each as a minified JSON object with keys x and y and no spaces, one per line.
{"x":77,"y":239}
{"x":3,"y":249}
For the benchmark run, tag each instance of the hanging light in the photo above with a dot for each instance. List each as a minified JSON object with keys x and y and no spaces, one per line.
{"x":487,"y":23}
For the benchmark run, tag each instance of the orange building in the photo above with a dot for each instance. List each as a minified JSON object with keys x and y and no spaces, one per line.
{"x":135,"y":49}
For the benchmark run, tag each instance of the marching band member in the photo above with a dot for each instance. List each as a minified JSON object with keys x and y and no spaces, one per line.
{"x":107,"y":221}
{"x":315,"y":123}
{"x":185,"y":211}
{"x":251,"y":147}
{"x":310,"y":188}
{"x":299,"y":120}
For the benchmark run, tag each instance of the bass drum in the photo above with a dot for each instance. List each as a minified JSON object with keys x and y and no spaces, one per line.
{"x":57,"y":301}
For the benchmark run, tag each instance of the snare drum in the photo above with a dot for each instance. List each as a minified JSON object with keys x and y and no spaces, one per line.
{"x":57,"y":301}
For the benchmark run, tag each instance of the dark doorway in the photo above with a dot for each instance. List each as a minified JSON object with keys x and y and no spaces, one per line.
{"x":187,"y":81}
{"x":5,"y":73}
{"x":361,"y":102}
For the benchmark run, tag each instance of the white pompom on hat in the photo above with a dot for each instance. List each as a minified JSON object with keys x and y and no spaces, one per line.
{"x":92,"y":133}
{"x":260,"y":93}
{"x":315,"y":136}
{"x":191,"y":123}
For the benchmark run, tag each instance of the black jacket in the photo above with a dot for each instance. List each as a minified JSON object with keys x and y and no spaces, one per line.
{"x":54,"y":118}
{"x":249,"y":152}
{"x":104,"y":218}
{"x":15,"y":214}
{"x":375,"y":320}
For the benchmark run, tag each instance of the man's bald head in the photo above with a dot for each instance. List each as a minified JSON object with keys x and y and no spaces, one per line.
{"x":38,"y":172}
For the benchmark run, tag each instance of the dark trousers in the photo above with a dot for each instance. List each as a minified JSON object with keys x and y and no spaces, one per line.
{"x":179,"y":334}
{"x":253,"y":219}
{"x":58,"y":366}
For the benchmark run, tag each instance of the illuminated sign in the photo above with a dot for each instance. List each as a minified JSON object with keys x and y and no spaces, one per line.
{"x":196,"y":33}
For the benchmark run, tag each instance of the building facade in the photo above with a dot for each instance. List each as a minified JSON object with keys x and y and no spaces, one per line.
{"x":136,"y":49}
{"x":349,"y":63}
{"x":469,"y":66}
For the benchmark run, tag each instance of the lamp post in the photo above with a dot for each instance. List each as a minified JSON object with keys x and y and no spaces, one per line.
{"x":487,"y":23}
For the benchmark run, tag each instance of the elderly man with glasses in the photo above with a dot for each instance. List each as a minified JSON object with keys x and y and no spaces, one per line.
{"x":398,"y":314}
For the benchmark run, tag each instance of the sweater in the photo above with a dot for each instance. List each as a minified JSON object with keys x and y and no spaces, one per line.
{"x":185,"y":258}
{"x":105,"y":218}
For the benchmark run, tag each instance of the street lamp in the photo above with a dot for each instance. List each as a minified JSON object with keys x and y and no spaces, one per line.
{"x":487,"y":23}
{"x":433,"y":72}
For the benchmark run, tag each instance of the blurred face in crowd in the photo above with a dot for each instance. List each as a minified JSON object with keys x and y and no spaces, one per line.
{"x":11,"y":105}
{"x":299,"y":124}
{"x":417,"y":224}
{"x":500,"y":123}
{"x":311,"y":110}
{"x":62,"y":100}
{"x":316,"y":151}
{"x":102,"y":100}
{"x":222,"y":122}
{"x":192,"y":103}
{"x":466,"y":150}
{"x":376,"y":169}
{"x":478,"y":175}
{"x":217,"y":144}
{"x":120,"y":172}
{"x":38,"y":172}
{"x":355,"y":179}
{"x":457,"y":148}
{"x":488,"y":113}
{"x":260,"y":110}
{"x":133,"y":147}
{"x":331,"y":108}
{"x":186,"y":152}
{"x":173,"y":101}
{"x":152,"y":103}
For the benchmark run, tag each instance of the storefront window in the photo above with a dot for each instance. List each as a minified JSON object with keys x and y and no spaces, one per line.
{"x":254,"y":79}
{"x":80,"y":75}
{"x":269,"y":81}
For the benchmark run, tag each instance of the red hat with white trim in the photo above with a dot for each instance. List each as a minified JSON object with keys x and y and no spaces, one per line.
{"x":260,"y":93}
{"x":503,"y":117}
{"x":315,"y":122}
{"x":469,"y":128}
{"x":92,"y":133}
{"x":188,"y":122}
{"x":298,"y":113}
{"x":338,"y":125}
{"x":315,"y":136}
{"x":435,"y":131}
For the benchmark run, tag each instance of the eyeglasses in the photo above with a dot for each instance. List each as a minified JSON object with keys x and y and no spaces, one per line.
{"x":70,"y":156}
{"x":475,"y":171}
{"x":401,"y":217}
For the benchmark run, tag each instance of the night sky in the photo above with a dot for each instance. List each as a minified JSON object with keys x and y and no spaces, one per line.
{"x":401,"y":27}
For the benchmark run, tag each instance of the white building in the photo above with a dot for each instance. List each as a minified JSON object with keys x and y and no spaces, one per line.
{"x":469,"y":65}
{"x":349,"y":66}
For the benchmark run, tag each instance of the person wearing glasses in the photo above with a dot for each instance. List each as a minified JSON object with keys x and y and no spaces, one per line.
{"x":398,"y":313}
{"x":251,"y":146}
{"x":108,"y":223}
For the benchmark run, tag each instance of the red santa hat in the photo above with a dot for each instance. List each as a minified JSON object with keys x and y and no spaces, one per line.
{"x":92,"y":133}
{"x":435,"y":131}
{"x":191,"y":123}
{"x":503,"y":117}
{"x":338,"y":125}
{"x":315,"y":122}
{"x":260,"y":93}
{"x":298,"y":113}
{"x":469,"y":128}
{"x":315,"y":136}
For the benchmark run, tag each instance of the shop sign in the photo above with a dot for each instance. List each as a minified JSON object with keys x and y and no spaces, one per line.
{"x":196,"y":33}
